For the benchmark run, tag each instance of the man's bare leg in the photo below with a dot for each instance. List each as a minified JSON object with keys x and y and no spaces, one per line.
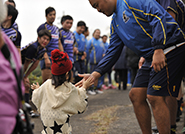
{"x":161,"y":113}
{"x":172,"y":105}
{"x":141,"y":108}
{"x":46,"y":74}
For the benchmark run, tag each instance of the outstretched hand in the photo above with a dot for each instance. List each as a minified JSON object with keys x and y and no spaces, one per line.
{"x":35,"y":86}
{"x":87,"y":83}
{"x":85,"y":77}
{"x":94,"y":78}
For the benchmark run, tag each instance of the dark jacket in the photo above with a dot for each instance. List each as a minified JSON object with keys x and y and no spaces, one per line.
{"x":132,"y":58}
{"x":122,"y":61}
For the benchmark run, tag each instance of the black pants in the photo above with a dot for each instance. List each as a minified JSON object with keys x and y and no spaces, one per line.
{"x":122,"y":77}
{"x":79,"y":67}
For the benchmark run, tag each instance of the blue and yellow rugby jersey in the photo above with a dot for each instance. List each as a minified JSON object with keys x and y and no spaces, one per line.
{"x":87,"y":58}
{"x":14,"y":35}
{"x":143,"y":26}
{"x":168,"y":5}
{"x":105,"y":46}
{"x":178,"y":7}
{"x":32,"y":52}
{"x":96,"y":51}
{"x":80,"y":44}
{"x":181,"y":14}
{"x":53,"y":44}
{"x":15,"y":25}
{"x":67,"y":40}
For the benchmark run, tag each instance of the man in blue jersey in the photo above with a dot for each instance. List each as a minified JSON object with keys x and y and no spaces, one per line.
{"x":86,"y":33}
{"x":176,"y":9}
{"x":181,"y":14}
{"x":33,"y":53}
{"x":95,"y":51}
{"x":12,"y":2}
{"x":79,"y":57}
{"x":55,"y":42}
{"x":147,"y":29}
{"x":66,"y":36}
{"x":7,"y":26}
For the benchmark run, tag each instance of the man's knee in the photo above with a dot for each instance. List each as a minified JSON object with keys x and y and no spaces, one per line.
{"x":132,"y":95}
{"x":155,"y":100}
{"x":137,"y":95}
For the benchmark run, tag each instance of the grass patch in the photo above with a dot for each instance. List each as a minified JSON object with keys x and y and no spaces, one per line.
{"x":103,"y":119}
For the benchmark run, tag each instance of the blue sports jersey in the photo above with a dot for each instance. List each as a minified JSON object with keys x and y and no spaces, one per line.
{"x":67,"y":40}
{"x":168,"y":5}
{"x":53,"y":44}
{"x":96,"y":50}
{"x":178,"y":7}
{"x":87,"y":58}
{"x":32,"y":52}
{"x":181,"y":14}
{"x":15,"y":25}
{"x":143,"y":26}
{"x":14,"y":35}
{"x":80,"y":44}
{"x":105,"y":46}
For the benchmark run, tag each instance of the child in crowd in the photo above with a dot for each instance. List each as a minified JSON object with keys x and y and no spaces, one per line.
{"x":58,"y":99}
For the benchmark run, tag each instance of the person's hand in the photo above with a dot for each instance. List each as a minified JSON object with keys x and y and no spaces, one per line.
{"x":83,"y":57}
{"x":35,"y":86}
{"x":47,"y":63}
{"x":85,"y":77}
{"x":141,"y":62}
{"x":87,"y":83}
{"x":158,"y":61}
{"x":75,"y":50}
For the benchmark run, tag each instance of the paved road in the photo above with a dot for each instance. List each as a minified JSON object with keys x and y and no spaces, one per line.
{"x":112,"y":100}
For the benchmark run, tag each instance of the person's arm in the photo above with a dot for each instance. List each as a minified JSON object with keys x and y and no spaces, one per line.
{"x":26,"y":64}
{"x":60,"y":45}
{"x":172,"y":14}
{"x":1,"y":40}
{"x":47,"y":60}
{"x":112,"y":54}
{"x":170,"y":6}
{"x":33,"y":66}
{"x":18,"y":42}
{"x":156,"y":17}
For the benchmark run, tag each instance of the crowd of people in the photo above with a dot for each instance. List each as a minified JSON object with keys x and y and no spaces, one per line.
{"x":147,"y":37}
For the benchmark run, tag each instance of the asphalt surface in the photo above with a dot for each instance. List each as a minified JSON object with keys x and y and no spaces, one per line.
{"x":125,"y":122}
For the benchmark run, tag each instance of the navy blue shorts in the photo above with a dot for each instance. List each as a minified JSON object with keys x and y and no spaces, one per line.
{"x":42,"y":64}
{"x":167,"y":81}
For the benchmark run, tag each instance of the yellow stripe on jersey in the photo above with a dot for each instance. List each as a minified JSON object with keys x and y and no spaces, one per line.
{"x":164,"y":33}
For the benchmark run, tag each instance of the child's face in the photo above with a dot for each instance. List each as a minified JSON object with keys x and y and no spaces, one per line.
{"x":44,"y":40}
